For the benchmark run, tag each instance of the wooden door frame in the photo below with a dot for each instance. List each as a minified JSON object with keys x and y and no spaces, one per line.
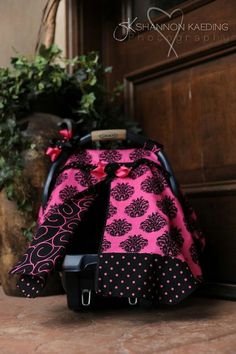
{"x":72,"y":28}
{"x":83,"y":27}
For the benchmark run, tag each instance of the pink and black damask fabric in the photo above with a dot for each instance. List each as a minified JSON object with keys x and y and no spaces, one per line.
{"x":150,"y":244}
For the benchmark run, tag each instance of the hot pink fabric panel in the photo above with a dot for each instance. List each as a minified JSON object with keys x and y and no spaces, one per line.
{"x":143,"y":212}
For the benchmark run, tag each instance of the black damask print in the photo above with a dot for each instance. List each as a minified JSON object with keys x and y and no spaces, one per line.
{"x":171,"y":242}
{"x":154,"y":185}
{"x":110,"y":156}
{"x":160,"y":173}
{"x":193,"y":226}
{"x":134,"y":243}
{"x":168,"y":207}
{"x":105,"y":245}
{"x":119,"y":227}
{"x":138,"y":154}
{"x":112,"y":210}
{"x":68,"y":192}
{"x":188,"y":207}
{"x":191,"y":222}
{"x":122,"y":191}
{"x":137,"y":208}
{"x":138,"y":172}
{"x":193,"y":253}
{"x":61,"y":178}
{"x":85,"y":179}
{"x":154,"y":222}
{"x":82,"y":157}
{"x":52,"y":210}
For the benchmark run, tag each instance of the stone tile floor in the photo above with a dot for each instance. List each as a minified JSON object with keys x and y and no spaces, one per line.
{"x":46,"y":326}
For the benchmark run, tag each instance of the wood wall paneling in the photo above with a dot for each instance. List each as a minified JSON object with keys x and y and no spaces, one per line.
{"x":188,"y":103}
{"x":217,"y":218}
{"x":148,"y":48}
{"x":84,"y":22}
{"x":191,"y":111}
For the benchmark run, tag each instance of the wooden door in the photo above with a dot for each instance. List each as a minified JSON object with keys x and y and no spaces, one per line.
{"x":181,"y":87}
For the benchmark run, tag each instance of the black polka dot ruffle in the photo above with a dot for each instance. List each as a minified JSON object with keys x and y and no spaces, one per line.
{"x":165,"y":279}
{"x":31,"y":286}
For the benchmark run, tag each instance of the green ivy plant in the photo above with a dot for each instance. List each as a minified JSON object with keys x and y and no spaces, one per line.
{"x":46,"y":75}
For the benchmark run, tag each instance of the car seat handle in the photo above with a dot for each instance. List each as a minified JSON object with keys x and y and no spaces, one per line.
{"x":109,"y":134}
{"x":115,"y":134}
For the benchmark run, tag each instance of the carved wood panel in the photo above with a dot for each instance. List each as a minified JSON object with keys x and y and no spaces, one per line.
{"x":187,"y":102}
{"x":190,"y":110}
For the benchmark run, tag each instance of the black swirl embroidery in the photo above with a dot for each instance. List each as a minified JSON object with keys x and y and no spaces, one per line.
{"x":53,"y":209}
{"x":49,"y":245}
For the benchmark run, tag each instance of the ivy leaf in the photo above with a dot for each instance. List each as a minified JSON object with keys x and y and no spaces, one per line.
{"x":28,"y":232}
{"x":81,"y":75}
{"x":92,"y":81}
{"x":10,"y":192}
{"x":2,"y":161}
{"x":49,"y":52}
{"x":40,"y":86}
{"x":108,"y":69}
{"x":87,"y":100}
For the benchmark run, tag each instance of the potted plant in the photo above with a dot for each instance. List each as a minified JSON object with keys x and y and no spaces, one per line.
{"x":42,"y":84}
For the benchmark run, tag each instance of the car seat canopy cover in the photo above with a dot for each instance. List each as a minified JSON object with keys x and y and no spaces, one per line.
{"x":151,"y":243}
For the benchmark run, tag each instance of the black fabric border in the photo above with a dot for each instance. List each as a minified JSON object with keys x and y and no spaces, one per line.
{"x":162,"y":279}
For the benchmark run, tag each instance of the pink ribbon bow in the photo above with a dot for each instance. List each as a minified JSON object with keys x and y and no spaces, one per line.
{"x":99,"y":171}
{"x":123,"y":171}
{"x":53,"y":152}
{"x":67,"y":134}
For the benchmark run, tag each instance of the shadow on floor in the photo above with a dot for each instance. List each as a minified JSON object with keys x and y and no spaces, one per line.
{"x":192,"y":309}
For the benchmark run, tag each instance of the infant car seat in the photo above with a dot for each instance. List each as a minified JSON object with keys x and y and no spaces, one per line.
{"x":115,"y":223}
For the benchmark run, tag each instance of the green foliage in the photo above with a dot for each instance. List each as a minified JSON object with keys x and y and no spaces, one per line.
{"x":83,"y":93}
{"x":28,"y":232}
